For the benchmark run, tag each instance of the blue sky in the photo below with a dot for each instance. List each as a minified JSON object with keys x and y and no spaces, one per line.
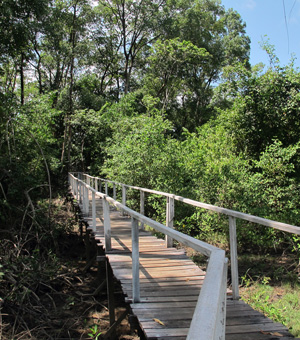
{"x":266,"y":17}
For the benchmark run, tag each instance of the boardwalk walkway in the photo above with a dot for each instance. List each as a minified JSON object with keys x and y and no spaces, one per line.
{"x":170,"y":284}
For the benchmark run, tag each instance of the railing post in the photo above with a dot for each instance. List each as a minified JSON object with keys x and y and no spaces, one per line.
{"x":106,"y":189}
{"x":169,"y":220}
{"x":135,"y":261}
{"x":96,"y":184}
{"x":107,"y":228}
{"x":77,"y":189}
{"x":94,"y":211}
{"x":114,"y":192}
{"x":234,"y":258}
{"x":83,"y":196}
{"x":123,"y":197}
{"x":100,"y":189}
{"x":221,"y":324}
{"x":142,"y":207}
{"x":69,"y":179}
{"x":87,"y":201}
{"x":80,"y":192}
{"x":88,"y":180}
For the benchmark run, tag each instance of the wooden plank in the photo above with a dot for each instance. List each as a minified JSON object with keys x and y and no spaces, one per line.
{"x":170,"y":332}
{"x":158,"y":305}
{"x":167,"y":298}
{"x":126,"y":274}
{"x":257,"y":336}
{"x":248,"y":328}
{"x":178,"y":285}
{"x":159,"y":280}
{"x":265,"y":327}
{"x":183,"y":294}
{"x":159,"y":266}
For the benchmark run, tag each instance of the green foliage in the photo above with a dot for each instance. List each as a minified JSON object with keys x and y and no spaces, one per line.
{"x":90,"y":131}
{"x":94,"y":332}
{"x":137,"y":150}
{"x":278,"y":303}
{"x":266,"y":107}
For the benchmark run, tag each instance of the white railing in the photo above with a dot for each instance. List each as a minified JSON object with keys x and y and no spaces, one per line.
{"x":232,"y":216}
{"x":208,"y":322}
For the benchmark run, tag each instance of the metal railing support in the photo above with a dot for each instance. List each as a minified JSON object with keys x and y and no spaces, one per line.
{"x":123,"y":197}
{"x":87,"y":201}
{"x":234,"y":258}
{"x":83,"y":197}
{"x":93,"y":211}
{"x":169,"y":220}
{"x":77,"y":190}
{"x":220,"y":328}
{"x":135,"y":261}
{"x":80,"y":192}
{"x":114,"y":192}
{"x":142,"y":207}
{"x":107,"y":228}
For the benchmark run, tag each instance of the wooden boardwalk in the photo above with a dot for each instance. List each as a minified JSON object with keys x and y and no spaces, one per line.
{"x":170,"y":284}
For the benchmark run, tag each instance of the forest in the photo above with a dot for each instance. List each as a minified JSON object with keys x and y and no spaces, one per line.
{"x":154,"y":93}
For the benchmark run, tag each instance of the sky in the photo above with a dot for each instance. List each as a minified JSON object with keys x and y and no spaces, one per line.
{"x":267,"y":18}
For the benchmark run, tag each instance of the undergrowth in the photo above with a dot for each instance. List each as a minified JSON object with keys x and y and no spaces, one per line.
{"x":272,"y":287}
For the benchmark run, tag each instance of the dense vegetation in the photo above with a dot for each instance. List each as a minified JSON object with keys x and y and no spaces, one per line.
{"x":155,"y":93}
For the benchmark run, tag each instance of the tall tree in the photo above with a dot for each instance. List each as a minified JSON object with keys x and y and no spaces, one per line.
{"x":206,"y":25}
{"x":131,"y":26}
{"x":18,"y":20}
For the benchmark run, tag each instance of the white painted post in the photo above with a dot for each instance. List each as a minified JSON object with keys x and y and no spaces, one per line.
{"x":96,"y":184}
{"x":80,"y":192}
{"x":107,"y":228}
{"x":83,"y":197}
{"x":87,"y":201}
{"x":106,"y":189}
{"x":77,"y":190}
{"x":135,"y":261}
{"x":142,"y":207}
{"x":221,"y":324}
{"x":94,"y":211}
{"x":123,"y":197}
{"x":88,"y":180}
{"x":169,"y":220}
{"x":114,"y":192}
{"x":70,"y":182}
{"x":234,"y":258}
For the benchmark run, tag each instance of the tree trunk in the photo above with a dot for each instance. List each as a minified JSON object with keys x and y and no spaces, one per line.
{"x":22,"y":78}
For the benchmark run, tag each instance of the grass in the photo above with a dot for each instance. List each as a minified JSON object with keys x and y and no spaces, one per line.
{"x":279,"y":303}
{"x":270,"y":284}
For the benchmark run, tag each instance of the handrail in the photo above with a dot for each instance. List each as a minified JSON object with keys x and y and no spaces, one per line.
{"x":232,"y":216}
{"x":208,"y":321}
{"x":247,"y":217}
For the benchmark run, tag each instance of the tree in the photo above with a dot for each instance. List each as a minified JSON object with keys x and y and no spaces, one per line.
{"x":266,"y":107}
{"x":18,"y":20}
{"x":208,"y":27}
{"x":171,"y":67}
{"x":130,"y":26}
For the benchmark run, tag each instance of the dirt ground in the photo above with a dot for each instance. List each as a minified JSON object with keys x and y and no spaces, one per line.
{"x":69,"y":304}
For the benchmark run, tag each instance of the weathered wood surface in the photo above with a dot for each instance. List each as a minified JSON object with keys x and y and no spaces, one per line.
{"x":170,"y":284}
